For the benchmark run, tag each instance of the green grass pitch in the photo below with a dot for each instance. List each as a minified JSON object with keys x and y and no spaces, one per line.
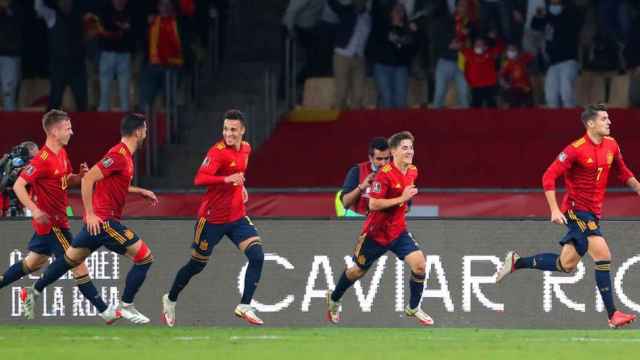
{"x":187,"y":343}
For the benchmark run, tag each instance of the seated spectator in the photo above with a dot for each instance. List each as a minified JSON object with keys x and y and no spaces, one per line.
{"x":561,"y":24}
{"x":66,"y":51}
{"x":391,"y":49}
{"x":348,"y":59}
{"x":514,"y":78}
{"x":11,"y":20}
{"x":480,"y":71}
{"x":116,"y":47}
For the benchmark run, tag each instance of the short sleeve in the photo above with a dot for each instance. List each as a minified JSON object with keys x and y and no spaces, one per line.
{"x":112,"y":163}
{"x":351,"y":181}
{"x":379,"y":186}
{"x":34,"y":170}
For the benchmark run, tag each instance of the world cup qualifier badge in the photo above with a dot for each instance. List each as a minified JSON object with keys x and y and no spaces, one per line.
{"x":106,"y":162}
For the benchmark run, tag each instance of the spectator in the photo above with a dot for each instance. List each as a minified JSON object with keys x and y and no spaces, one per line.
{"x":561,"y":25}
{"x":466,"y":21}
{"x":300,"y":20}
{"x":66,"y":51}
{"x":480,"y":71}
{"x":445,"y":49}
{"x":514,"y":78}
{"x":348,"y":59}
{"x":11,"y":20}
{"x":391,"y":48}
{"x":496,"y":14}
{"x":532,"y":39}
{"x":167,"y":45}
{"x":632,"y":59}
{"x":116,"y":46}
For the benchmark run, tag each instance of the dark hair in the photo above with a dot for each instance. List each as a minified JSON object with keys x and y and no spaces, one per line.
{"x":591,"y":111}
{"x":52,"y":117}
{"x":378,"y":143}
{"x":234,"y":114}
{"x":132,"y":122}
{"x":396,"y":139}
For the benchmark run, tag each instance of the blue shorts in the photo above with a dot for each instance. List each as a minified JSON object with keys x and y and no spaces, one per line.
{"x":581,"y":224}
{"x":113,"y":235}
{"x":208,"y":235}
{"x":55,"y":243}
{"x":367,"y":250}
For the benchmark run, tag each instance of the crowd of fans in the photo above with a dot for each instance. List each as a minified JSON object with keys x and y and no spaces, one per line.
{"x":78,"y":43}
{"x":488,"y":49}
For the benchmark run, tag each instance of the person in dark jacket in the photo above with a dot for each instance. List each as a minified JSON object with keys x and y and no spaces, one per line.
{"x":66,"y":51}
{"x":11,"y":19}
{"x":391,"y":48}
{"x":561,"y":25}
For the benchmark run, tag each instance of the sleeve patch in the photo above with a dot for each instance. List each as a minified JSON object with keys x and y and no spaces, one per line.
{"x":29,"y":170}
{"x":205,"y":162}
{"x":107,"y":162}
{"x":562,"y":157}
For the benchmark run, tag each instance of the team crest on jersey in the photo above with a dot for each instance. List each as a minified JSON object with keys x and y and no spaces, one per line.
{"x":609,"y":158}
{"x":376,"y":187}
{"x":562,"y":157}
{"x":30,"y":169}
{"x":106,"y":162}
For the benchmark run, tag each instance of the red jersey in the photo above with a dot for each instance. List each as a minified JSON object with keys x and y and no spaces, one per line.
{"x":386,"y":225}
{"x":223,"y":202}
{"x":516,"y":73}
{"x":586,"y":168}
{"x":480,"y":70}
{"x":48,"y":174}
{"x":110,"y":192}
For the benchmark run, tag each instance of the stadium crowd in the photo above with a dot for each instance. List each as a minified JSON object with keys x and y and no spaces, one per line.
{"x":88,"y":44}
{"x":508,"y":53}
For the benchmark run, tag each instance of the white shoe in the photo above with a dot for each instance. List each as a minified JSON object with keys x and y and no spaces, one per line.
{"x":132,"y":314}
{"x":168,"y":311}
{"x":423,"y":318}
{"x":248,"y":313}
{"x":111,"y":315}
{"x":333,"y":309}
{"x":28,"y":297}
{"x":508,"y":266}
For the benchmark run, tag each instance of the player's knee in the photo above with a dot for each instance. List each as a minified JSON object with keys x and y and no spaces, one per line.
{"x":254,"y":252}
{"x":355,"y":273}
{"x":143,"y":256}
{"x":568,"y":267}
{"x":29,"y":266}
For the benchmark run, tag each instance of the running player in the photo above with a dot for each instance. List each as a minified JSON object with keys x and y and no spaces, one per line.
{"x":585,"y":164}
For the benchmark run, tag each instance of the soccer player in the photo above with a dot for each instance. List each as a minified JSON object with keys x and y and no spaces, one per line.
{"x":586,"y":164}
{"x":386,"y":229}
{"x":103,"y":210}
{"x":222,"y":212}
{"x":49,"y":175}
{"x":357,"y":184}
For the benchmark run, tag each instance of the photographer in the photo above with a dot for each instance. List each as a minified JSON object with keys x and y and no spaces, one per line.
{"x":10,"y":166}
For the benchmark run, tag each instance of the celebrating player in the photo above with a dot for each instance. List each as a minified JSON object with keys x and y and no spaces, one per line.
{"x":586,"y":165}
{"x":49,"y":175}
{"x":103,"y":209}
{"x":386,"y":229}
{"x":222,"y":212}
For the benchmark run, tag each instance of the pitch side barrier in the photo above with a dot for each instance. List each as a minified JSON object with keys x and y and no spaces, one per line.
{"x":305,"y":257}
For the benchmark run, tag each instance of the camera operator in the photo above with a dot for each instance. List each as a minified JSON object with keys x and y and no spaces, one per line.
{"x":10,"y":166}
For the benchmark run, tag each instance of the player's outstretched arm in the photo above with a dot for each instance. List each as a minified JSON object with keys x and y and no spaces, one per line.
{"x":147,"y":194}
{"x":86,"y":188}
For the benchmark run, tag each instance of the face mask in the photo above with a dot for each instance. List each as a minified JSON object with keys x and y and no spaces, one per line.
{"x":555,"y":9}
{"x":512,"y":54}
{"x":478,"y":50}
